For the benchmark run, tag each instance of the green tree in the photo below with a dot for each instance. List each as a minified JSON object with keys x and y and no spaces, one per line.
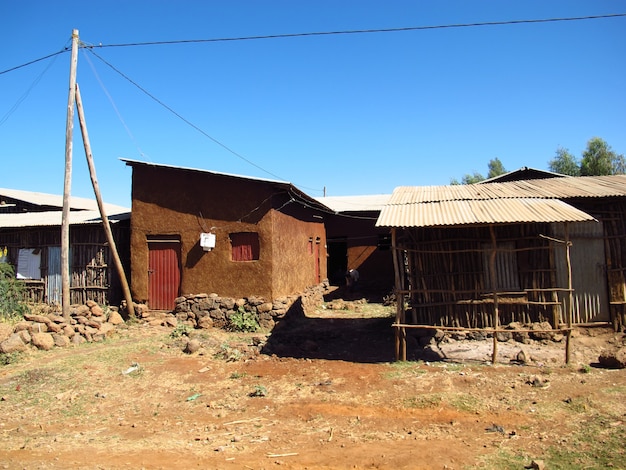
{"x":496,"y":168}
{"x":564,"y":163}
{"x":599,"y":159}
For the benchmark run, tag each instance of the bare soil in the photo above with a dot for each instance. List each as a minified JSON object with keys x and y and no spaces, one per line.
{"x":320,"y":392}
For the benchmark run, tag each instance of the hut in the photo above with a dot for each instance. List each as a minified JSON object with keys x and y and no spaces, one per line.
{"x":30,"y":240}
{"x":196,"y":231}
{"x":480,"y":256}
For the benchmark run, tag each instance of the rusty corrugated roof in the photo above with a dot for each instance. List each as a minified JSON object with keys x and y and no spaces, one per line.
{"x":537,"y":200}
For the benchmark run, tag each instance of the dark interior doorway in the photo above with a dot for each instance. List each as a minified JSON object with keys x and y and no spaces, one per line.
{"x":337,"y":260}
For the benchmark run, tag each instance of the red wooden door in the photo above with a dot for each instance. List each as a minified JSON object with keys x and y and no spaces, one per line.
{"x":163,"y":274}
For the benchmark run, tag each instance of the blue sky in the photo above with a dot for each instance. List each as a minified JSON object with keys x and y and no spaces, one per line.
{"x":352,"y":113}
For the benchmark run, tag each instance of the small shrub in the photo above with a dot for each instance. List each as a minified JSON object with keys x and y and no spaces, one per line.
{"x":9,"y":358}
{"x":243,"y":321}
{"x":12,"y":293}
{"x":180,"y":331}
{"x":259,"y":391}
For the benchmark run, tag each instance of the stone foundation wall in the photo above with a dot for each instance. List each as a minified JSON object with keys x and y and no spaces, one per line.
{"x":213,"y":311}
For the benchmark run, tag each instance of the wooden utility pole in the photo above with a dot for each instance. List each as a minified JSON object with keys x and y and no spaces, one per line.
{"x":65,"y":223}
{"x":103,"y":215}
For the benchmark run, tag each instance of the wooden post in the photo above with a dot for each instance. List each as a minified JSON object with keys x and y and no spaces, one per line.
{"x":492,"y":275}
{"x":570,"y":310}
{"x":65,"y":223}
{"x":399,"y":295}
{"x":103,"y":215}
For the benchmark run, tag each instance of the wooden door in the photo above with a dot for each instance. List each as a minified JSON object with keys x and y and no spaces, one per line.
{"x":163,"y":274}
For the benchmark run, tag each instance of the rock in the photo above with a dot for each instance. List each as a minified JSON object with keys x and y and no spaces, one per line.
{"x":537,"y":465}
{"x":265,"y":307}
{"x":23,"y":325}
{"x":54,"y":327}
{"x":192,"y":346}
{"x":25,"y":335}
{"x":97,"y":311}
{"x":613,"y":359}
{"x":60,"y":340}
{"x":78,"y":339}
{"x":12,"y":344}
{"x":541,"y":336}
{"x":81,"y":311}
{"x":37,"y":318}
{"x":171,"y":321}
{"x":522,"y":357}
{"x":205,"y":322}
{"x":43,"y":341}
{"x":107,"y":329}
{"x":115,"y":318}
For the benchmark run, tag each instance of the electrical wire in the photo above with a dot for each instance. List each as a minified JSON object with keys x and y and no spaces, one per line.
{"x":27,"y":92}
{"x":330,"y":33}
{"x":115,"y":108}
{"x":12,"y":69}
{"x":368,"y":31}
{"x":189,"y":123}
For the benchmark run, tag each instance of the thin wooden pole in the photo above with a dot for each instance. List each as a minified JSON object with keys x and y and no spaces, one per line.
{"x":399,"y":289}
{"x":492,"y":274}
{"x":570,"y":310}
{"x":65,"y":223}
{"x":103,"y":215}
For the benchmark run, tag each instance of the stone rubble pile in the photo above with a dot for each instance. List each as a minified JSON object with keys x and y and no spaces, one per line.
{"x":87,"y":323}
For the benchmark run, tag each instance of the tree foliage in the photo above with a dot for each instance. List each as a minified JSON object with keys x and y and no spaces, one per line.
{"x":564,"y":163}
{"x":598,"y":159}
{"x":495,"y":167}
{"x":12,"y":294}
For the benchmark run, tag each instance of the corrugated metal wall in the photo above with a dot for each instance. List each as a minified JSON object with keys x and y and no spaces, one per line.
{"x":589,"y":278}
{"x":163,"y":273}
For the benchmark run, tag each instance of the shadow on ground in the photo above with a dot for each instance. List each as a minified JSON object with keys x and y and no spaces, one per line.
{"x":367,"y":340}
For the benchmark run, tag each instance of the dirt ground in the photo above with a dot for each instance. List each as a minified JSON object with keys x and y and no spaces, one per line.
{"x":321,"y":392}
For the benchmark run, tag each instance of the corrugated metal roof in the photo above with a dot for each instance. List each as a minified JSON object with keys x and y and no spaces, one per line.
{"x":555,"y":188}
{"x":373,"y":202}
{"x":481,"y":211}
{"x":54,"y":218}
{"x":44,"y":199}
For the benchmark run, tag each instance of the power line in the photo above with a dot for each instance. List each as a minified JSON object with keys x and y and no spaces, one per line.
{"x":189,"y":123}
{"x":329,"y":33}
{"x":12,"y":69}
{"x":368,"y":31}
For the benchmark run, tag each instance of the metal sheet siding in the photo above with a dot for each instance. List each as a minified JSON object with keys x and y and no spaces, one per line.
{"x":164,"y":275}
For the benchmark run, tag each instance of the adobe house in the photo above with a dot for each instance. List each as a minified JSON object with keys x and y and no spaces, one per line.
{"x":543,"y":250}
{"x":354,"y":242}
{"x":30,"y":240}
{"x":197,"y":231}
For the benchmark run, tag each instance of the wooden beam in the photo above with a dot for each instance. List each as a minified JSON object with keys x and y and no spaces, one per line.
{"x":103,"y":214}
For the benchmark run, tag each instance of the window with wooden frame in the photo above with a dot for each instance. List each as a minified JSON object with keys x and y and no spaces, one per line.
{"x":245,"y":246}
